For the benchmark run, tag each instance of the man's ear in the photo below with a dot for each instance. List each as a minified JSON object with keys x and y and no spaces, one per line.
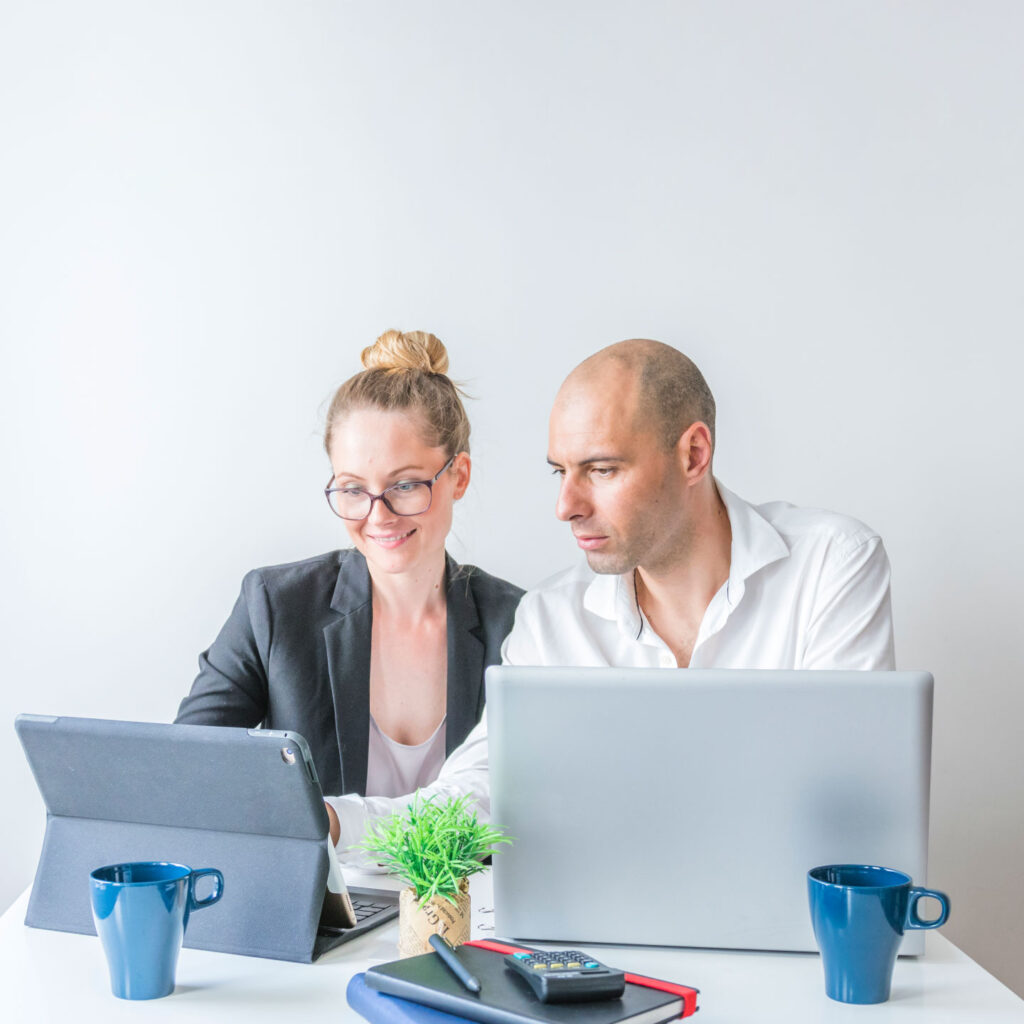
{"x":462,"y":468}
{"x":694,"y":452}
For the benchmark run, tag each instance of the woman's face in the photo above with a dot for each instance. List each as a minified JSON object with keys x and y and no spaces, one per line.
{"x":373,"y":449}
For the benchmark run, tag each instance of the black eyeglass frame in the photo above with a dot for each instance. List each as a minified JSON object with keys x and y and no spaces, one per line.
{"x":328,"y":491}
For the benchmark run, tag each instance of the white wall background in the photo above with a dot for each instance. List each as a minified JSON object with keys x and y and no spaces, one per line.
{"x":207,"y":209}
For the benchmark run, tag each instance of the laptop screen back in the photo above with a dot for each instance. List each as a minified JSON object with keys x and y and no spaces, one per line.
{"x":685,"y":807}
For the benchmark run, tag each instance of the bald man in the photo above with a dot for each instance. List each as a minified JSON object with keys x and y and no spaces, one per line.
{"x":680,"y":571}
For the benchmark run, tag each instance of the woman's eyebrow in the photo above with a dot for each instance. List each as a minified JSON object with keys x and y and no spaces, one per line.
{"x":355,"y":477}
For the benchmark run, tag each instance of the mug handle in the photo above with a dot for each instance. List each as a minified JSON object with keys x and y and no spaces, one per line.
{"x":913,"y":920}
{"x":218,"y":888}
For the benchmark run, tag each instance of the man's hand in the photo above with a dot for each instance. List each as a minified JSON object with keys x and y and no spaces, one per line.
{"x":335,"y":824}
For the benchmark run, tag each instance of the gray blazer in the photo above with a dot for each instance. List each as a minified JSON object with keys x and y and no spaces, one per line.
{"x":295,"y":654}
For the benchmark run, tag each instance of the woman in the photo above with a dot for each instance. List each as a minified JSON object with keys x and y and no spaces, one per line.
{"x":374,"y":654}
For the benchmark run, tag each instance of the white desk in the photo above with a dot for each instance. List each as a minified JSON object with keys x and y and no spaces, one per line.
{"x":55,"y":976}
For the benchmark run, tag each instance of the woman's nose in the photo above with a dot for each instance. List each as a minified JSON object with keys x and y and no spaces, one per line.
{"x":380,"y":513}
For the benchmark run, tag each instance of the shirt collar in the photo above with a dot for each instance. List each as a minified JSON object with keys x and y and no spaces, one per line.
{"x":614,"y":598}
{"x":755,"y":544}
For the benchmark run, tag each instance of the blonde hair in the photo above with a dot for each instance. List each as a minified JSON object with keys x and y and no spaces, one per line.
{"x":406,"y":372}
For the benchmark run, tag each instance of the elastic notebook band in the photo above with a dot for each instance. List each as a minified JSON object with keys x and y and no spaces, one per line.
{"x":687,"y":994}
{"x":495,"y":947}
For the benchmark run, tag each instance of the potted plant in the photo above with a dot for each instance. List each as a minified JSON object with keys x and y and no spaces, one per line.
{"x":433,"y":847}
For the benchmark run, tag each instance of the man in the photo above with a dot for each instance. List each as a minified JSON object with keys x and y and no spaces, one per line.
{"x":681,"y":572}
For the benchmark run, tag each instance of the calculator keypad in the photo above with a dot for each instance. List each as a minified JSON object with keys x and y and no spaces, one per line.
{"x":563,"y":960}
{"x":567,"y":975}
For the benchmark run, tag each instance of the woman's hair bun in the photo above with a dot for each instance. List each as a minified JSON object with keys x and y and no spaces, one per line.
{"x":408,"y":350}
{"x":407,"y":372}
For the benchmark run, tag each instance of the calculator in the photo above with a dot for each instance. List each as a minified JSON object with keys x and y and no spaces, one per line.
{"x":567,"y":976}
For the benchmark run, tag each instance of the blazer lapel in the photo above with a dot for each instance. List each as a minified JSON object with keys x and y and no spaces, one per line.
{"x":348,"y":663}
{"x":347,"y":641}
{"x":465,"y":657}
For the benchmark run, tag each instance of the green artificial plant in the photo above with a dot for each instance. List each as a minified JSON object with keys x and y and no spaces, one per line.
{"x":432,"y":845}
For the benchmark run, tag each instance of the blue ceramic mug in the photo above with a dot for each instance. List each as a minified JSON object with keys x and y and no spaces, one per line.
{"x":859,"y":915}
{"x":141,"y":912}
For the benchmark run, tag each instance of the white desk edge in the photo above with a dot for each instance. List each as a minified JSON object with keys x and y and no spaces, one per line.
{"x":60,"y":977}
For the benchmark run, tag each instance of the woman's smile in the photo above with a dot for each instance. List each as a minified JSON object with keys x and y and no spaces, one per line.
{"x":391,"y":540}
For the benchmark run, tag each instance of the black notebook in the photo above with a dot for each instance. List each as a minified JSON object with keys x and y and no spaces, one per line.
{"x":505,"y":998}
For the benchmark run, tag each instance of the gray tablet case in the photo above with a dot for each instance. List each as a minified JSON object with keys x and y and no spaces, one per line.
{"x":245,"y":801}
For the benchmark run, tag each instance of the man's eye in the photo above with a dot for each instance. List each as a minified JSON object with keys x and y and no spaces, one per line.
{"x":603,"y":471}
{"x":557,"y":471}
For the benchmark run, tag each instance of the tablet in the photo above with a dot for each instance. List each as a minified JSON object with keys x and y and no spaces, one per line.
{"x":245,"y":801}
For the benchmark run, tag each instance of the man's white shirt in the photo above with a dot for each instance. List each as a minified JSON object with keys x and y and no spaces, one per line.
{"x":807,"y":589}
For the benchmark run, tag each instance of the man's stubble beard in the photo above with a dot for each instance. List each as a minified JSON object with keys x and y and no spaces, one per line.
{"x":610,"y":565}
{"x":645,"y":553}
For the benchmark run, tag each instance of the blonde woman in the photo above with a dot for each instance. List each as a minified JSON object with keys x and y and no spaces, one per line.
{"x":374,"y":653}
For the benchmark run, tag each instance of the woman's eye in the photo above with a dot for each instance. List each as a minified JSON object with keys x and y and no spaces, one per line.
{"x":350,"y":492}
{"x":403,"y":488}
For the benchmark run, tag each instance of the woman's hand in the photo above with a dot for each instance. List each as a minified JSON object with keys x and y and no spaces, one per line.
{"x":332,"y":817}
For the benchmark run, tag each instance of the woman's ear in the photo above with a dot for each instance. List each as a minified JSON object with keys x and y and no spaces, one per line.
{"x":462,"y":469}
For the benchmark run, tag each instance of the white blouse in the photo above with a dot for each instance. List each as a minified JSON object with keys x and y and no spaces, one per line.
{"x":395,"y":769}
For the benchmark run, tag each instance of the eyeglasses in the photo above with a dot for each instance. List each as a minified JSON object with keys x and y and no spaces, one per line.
{"x":406,"y":498}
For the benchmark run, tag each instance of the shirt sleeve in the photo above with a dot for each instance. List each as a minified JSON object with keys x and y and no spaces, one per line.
{"x":525,"y":642}
{"x":464,"y":773}
{"x":851,"y":626}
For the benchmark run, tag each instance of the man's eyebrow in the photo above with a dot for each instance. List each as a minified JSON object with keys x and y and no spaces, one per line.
{"x":590,"y":459}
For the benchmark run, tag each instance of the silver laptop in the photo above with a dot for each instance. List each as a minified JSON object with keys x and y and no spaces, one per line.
{"x":685,"y":807}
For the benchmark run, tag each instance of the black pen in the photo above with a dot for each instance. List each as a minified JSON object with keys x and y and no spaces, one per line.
{"x":447,"y":954}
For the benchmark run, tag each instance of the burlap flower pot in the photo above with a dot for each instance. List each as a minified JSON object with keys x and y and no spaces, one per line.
{"x":437,"y":916}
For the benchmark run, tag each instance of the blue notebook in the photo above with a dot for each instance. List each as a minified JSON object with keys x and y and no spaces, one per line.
{"x":381,"y":1009}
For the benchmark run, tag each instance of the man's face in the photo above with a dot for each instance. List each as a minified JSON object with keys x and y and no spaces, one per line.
{"x":622,"y":494}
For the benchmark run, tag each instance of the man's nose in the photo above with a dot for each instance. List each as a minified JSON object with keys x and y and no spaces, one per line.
{"x":571,"y":503}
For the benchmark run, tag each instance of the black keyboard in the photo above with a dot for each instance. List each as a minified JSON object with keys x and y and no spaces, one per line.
{"x":364,"y":909}
{"x":372,"y":907}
